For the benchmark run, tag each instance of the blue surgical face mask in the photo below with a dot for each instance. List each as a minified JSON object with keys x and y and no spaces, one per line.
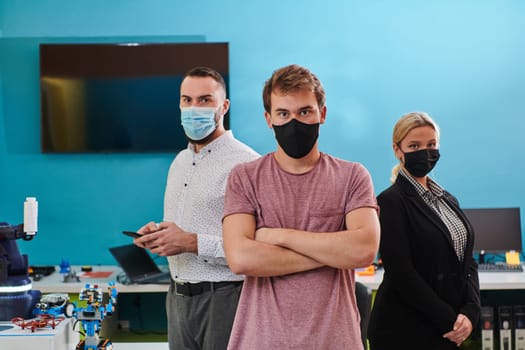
{"x":198,"y":122}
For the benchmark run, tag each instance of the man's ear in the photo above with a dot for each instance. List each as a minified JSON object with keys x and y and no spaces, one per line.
{"x":323,"y":115}
{"x":225,"y":106}
{"x":268,"y":118}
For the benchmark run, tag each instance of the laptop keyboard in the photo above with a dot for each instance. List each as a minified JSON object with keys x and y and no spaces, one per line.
{"x":486,"y":267}
{"x":162,"y":278}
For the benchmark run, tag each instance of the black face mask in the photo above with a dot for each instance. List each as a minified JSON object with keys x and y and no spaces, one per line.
{"x":296,"y":138}
{"x":420,"y":163}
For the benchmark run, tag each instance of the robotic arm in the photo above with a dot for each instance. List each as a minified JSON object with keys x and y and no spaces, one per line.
{"x":16,"y":297}
{"x":8,"y":232}
{"x":11,"y":261}
{"x":28,"y":229}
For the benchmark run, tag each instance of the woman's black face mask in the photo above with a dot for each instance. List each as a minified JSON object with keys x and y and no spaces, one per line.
{"x":420,"y":163}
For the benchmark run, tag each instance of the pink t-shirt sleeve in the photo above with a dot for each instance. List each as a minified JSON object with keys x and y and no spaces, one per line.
{"x":236,"y":198}
{"x":361,"y":190}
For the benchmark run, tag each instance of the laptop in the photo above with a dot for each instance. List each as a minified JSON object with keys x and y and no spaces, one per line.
{"x":138,"y":265}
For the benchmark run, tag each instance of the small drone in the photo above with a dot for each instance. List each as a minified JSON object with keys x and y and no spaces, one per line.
{"x":42,"y":321}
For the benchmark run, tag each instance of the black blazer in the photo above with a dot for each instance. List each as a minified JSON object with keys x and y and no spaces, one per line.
{"x":424,"y":286}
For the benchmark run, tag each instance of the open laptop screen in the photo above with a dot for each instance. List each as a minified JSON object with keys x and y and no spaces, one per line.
{"x":135,"y":261}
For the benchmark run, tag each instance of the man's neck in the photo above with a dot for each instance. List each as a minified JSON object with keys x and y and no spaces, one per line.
{"x":213,"y":136}
{"x":297,"y":166}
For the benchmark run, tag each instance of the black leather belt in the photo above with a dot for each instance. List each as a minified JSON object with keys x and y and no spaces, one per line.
{"x":191,"y":289}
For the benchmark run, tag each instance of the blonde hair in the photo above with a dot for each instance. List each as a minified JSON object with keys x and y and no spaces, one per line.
{"x":404,"y":125}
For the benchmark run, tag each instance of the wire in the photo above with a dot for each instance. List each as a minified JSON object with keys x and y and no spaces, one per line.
{"x":79,"y":331}
{"x":123,"y":278}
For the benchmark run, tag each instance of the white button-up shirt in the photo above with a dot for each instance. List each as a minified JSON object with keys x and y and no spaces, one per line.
{"x":194,"y":200}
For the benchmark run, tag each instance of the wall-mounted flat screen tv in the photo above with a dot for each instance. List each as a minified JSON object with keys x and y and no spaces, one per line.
{"x":121,"y":97}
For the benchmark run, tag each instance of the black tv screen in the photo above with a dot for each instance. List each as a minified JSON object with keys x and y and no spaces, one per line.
{"x":496,"y":230}
{"x":118,"y":97}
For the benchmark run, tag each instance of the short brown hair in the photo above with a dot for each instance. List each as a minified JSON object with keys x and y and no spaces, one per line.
{"x":290,"y":79}
{"x":204,"y":72}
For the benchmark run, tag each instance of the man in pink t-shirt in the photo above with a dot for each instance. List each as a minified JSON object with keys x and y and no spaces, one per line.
{"x":297,"y":222}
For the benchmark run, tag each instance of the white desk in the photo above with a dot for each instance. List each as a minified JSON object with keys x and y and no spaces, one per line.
{"x":140,"y":346}
{"x":63,"y":337}
{"x":487,"y":280}
{"x":54,"y":282}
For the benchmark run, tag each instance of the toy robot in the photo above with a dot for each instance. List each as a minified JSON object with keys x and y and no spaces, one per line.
{"x":54,"y":304}
{"x":93,"y":314}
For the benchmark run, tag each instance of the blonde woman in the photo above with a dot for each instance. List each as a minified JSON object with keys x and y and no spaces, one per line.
{"x":429,"y":297}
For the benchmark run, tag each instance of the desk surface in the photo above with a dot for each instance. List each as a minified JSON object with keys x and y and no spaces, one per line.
{"x":487,"y":280}
{"x":54,"y":282}
{"x":140,"y":346}
{"x":62,"y":337}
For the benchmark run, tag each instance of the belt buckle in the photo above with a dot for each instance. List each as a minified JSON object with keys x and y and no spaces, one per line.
{"x":182,"y":285}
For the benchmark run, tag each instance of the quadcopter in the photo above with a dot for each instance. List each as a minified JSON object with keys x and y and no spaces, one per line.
{"x":42,"y":321}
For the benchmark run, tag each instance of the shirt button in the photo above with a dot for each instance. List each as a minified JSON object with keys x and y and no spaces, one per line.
{"x":185,"y":185}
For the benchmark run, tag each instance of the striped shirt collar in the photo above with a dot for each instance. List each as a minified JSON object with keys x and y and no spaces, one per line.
{"x":433,"y":192}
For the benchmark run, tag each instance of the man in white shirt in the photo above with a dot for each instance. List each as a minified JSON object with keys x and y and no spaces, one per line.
{"x":203,"y":297}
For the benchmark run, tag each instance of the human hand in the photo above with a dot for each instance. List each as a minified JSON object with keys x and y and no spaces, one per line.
{"x":166,"y":239}
{"x":144,"y":230}
{"x":148,"y":228}
{"x":460,"y":331}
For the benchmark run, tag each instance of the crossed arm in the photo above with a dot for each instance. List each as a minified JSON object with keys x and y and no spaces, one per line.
{"x":280,"y":251}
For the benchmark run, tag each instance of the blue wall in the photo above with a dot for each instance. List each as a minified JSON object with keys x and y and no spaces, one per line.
{"x":460,"y":61}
